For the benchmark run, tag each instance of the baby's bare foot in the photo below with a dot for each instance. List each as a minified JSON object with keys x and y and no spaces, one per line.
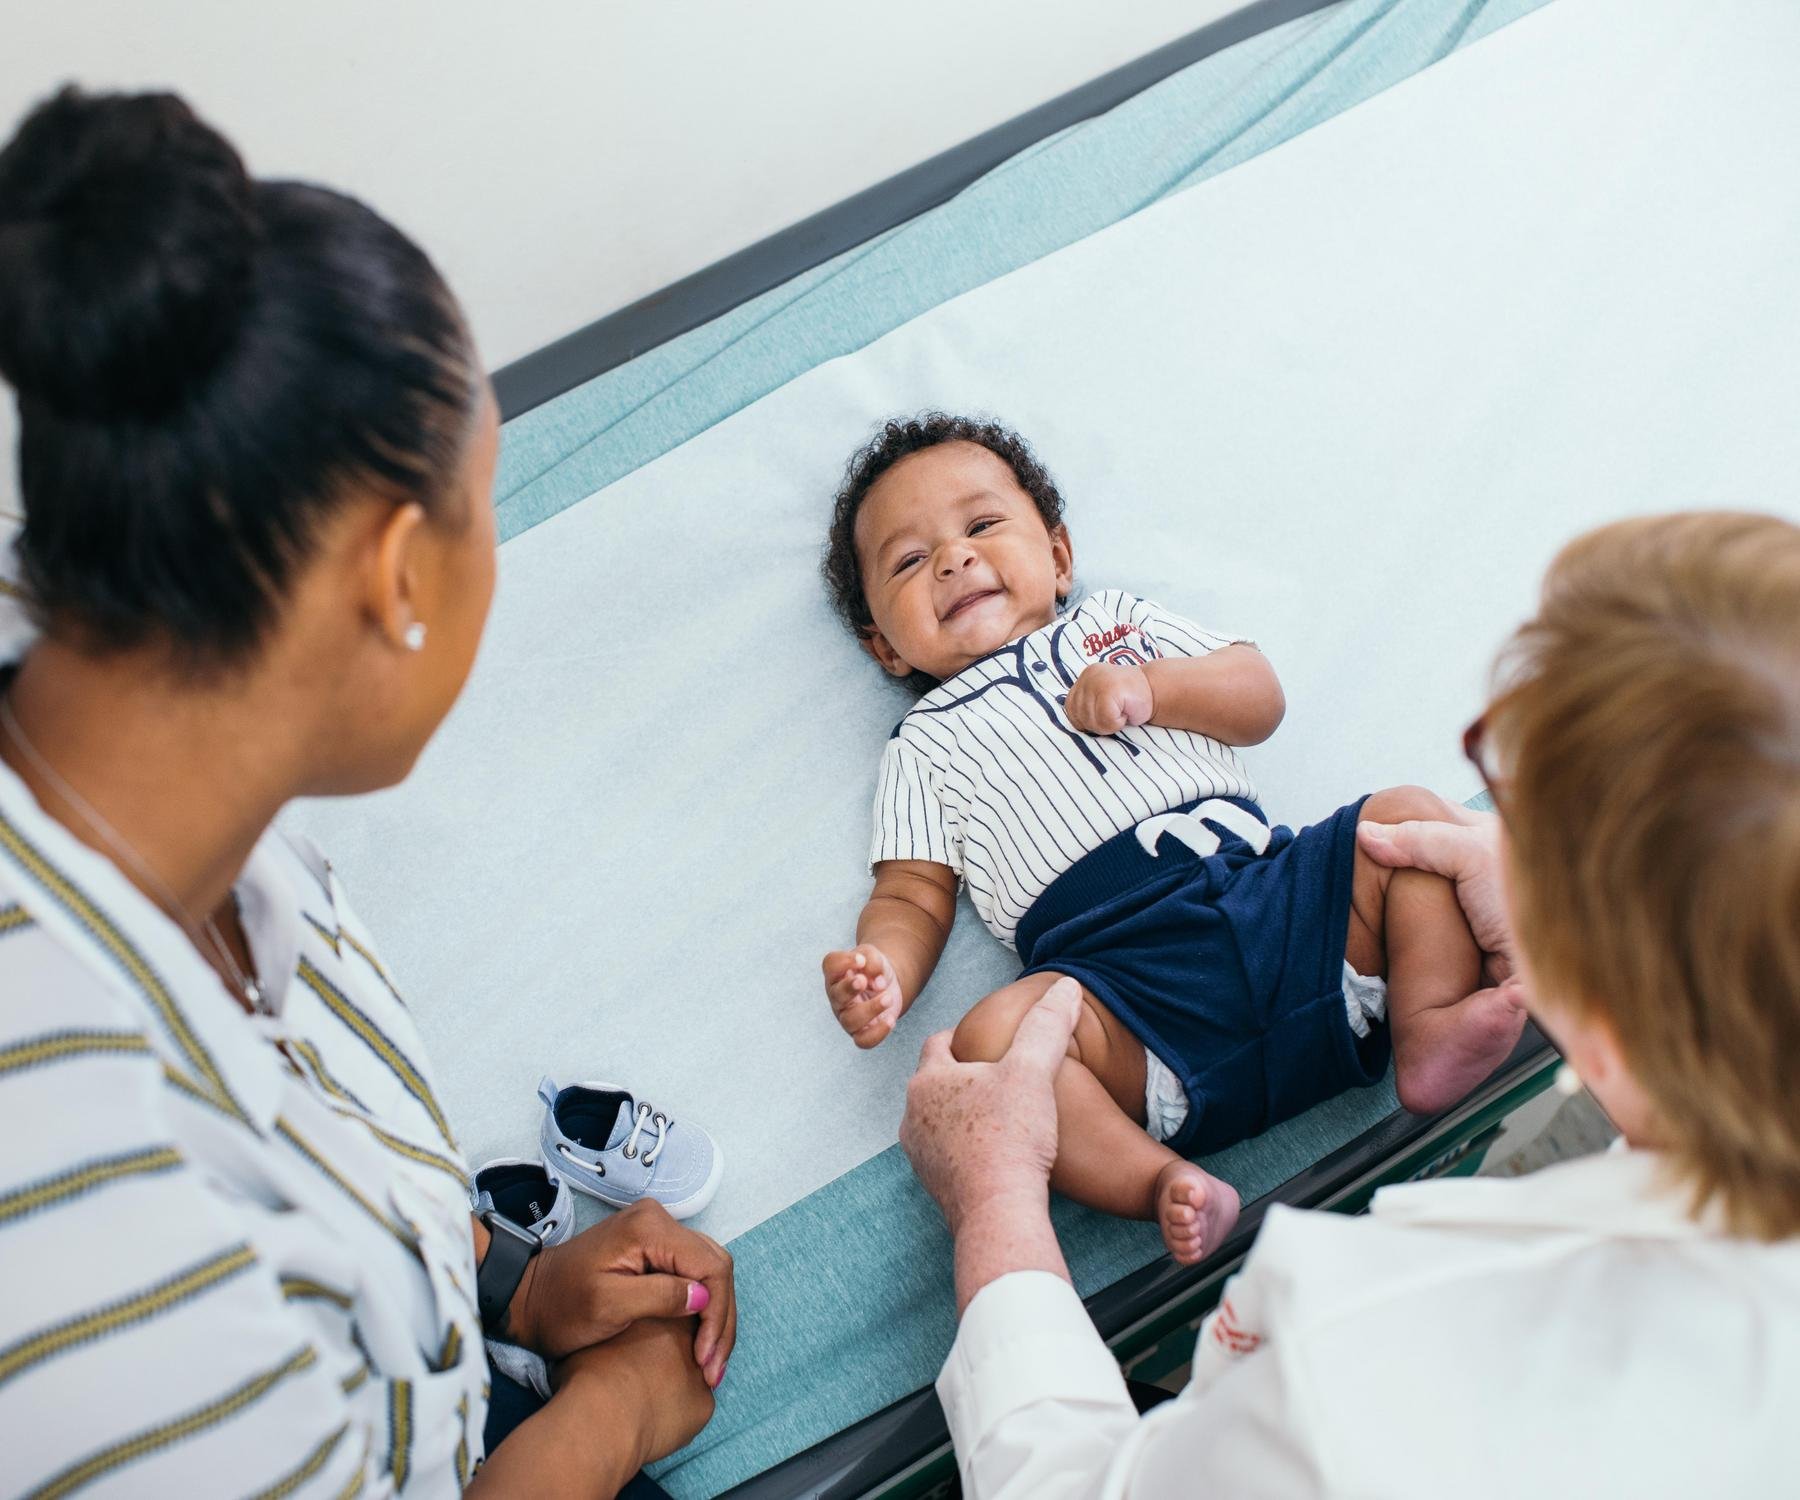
{"x":1195,"y":1211}
{"x":1442,"y":1053}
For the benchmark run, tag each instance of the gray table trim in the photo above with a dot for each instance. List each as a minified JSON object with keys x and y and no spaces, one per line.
{"x":707,"y":294}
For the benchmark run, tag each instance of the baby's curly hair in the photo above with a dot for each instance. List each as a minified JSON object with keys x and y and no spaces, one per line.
{"x":898,"y":438}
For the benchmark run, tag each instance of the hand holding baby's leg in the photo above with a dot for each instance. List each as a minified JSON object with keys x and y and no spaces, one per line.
{"x":1448,"y":1032}
{"x":1103,"y":1157}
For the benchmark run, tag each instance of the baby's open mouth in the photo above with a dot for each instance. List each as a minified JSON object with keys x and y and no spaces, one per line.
{"x":968,"y":601}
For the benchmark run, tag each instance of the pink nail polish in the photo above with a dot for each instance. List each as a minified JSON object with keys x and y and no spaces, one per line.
{"x":698,"y":1297}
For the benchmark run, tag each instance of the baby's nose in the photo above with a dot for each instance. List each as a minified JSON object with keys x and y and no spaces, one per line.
{"x":954,"y":558}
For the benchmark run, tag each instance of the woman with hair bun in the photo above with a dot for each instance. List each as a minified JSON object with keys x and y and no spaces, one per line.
{"x":256,"y":451}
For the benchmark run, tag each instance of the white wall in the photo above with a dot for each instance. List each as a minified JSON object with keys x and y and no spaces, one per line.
{"x":563,"y":158}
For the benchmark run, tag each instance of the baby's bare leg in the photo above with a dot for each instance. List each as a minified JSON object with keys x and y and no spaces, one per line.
{"x":1448,"y":1032}
{"x":1104,"y":1159}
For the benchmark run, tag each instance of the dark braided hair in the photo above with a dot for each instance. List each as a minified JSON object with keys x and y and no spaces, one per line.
{"x":899,"y":438}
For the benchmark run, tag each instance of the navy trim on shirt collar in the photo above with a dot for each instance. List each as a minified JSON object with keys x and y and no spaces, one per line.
{"x":1019,"y":677}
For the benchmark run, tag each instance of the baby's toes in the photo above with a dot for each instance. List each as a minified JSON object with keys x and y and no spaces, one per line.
{"x":1181,"y":1211}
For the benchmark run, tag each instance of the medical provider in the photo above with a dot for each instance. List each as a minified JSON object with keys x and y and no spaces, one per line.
{"x":1626,"y":1324}
{"x":256,"y":454}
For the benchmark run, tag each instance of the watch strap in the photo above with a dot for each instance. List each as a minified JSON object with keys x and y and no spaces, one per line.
{"x":497,"y":1279}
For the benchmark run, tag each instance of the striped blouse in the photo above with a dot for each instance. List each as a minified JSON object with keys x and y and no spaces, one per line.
{"x":236,"y":1250}
{"x":987,"y":776}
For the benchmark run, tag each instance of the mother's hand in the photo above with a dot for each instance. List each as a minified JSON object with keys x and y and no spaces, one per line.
{"x":617,"y":1406}
{"x":637,"y":1263}
{"x":645,"y":1383}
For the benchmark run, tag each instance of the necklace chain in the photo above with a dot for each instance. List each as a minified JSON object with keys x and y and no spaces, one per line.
{"x":201,"y":935}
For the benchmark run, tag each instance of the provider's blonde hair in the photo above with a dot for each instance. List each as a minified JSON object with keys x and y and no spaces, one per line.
{"x":1646,"y":738}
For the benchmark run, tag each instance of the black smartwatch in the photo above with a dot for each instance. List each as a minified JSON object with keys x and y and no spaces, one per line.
{"x":509,"y":1252}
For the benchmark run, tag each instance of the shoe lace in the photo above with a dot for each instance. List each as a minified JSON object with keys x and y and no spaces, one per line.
{"x":648,"y":1115}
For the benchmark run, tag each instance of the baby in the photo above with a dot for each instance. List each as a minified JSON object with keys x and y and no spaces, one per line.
{"x":1073,"y":765}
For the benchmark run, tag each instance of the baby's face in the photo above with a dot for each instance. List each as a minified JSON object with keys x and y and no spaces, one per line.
{"x":956,"y":561}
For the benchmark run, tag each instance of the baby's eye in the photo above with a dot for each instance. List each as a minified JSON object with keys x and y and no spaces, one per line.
{"x":981,"y":526}
{"x":905,"y":563}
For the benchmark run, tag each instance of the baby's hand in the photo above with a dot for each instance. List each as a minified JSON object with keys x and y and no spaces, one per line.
{"x":864,"y":993}
{"x":1107,"y":698}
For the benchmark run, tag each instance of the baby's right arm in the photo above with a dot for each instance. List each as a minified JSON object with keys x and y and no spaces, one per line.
{"x":899,"y":939}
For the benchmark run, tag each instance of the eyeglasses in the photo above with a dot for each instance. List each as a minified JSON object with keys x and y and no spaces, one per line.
{"x":1475,"y":747}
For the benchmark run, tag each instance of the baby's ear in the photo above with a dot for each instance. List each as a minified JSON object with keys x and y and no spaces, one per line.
{"x":876,"y":644}
{"x":1062,"y":550}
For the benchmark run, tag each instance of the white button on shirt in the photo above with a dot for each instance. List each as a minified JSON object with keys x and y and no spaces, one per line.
{"x":1572,"y":1332}
{"x":236,"y":1250}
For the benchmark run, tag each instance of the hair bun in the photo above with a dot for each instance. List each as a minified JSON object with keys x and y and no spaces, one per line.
{"x":126,"y":237}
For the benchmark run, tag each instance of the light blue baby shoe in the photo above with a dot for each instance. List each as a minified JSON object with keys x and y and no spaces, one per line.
{"x":620,"y":1149}
{"x":527,"y":1191}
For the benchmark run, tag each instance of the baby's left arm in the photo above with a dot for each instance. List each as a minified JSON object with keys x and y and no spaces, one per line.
{"x":1231,"y":694}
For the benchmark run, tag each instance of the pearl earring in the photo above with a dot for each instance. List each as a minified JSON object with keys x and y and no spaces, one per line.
{"x":415,"y":637}
{"x":1568,"y":1081}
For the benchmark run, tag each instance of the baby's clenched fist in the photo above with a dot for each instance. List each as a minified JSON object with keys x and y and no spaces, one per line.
{"x":1108,"y":697}
{"x":864,"y":993}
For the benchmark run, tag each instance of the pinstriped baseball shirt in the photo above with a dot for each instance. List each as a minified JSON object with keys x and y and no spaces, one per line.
{"x":986,"y":775}
{"x":236,"y":1249}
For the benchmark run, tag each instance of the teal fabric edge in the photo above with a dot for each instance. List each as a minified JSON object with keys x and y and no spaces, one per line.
{"x":1210,"y":117}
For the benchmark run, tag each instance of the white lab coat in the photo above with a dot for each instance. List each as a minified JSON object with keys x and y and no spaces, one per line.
{"x":1573,"y":1333}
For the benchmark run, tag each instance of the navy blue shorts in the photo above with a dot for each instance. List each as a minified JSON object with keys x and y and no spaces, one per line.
{"x":1229,"y":967}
